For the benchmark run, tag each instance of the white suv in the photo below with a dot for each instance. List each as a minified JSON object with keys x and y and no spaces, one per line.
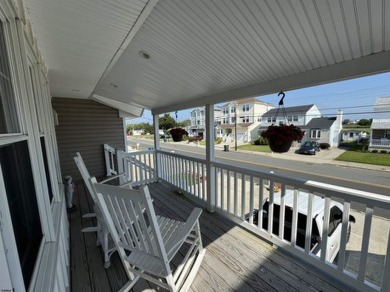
{"x":335,"y":220}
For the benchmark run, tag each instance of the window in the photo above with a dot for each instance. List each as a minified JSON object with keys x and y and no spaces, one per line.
{"x":8,"y":113}
{"x":233,"y":109}
{"x":245,"y":108}
{"x":224,"y":121}
{"x":350,"y":134}
{"x":20,"y":191}
{"x":387,"y":135}
{"x":46,"y":163}
{"x":274,"y":119}
{"x":269,"y":119}
{"x":289,"y":118}
{"x":233,"y":119}
{"x":295,"y":118}
{"x":315,"y":134}
{"x":259,"y":118}
{"x":225,"y":110}
{"x":245,"y":119}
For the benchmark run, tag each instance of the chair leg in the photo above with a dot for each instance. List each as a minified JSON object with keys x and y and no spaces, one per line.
{"x":107,"y":262}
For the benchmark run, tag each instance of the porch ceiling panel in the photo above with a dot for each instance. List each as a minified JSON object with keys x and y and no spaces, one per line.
{"x":209,"y":51}
{"x":78,"y":39}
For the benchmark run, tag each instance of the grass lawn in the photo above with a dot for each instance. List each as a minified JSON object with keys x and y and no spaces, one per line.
{"x":259,"y":148}
{"x":355,"y":154}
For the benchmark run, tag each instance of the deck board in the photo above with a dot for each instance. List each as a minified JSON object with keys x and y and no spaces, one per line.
{"x":236,"y":260}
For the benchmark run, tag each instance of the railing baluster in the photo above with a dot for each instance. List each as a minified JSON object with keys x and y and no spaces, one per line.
{"x":294,"y":218}
{"x":251,"y":199}
{"x":198,"y":179}
{"x":261,"y":199}
{"x":309,"y":222}
{"x":271,"y":207}
{"x":365,"y":243}
{"x":243,"y":197}
{"x":204,"y":179}
{"x":235,"y":193}
{"x":222,"y":189}
{"x":325,"y":228}
{"x":343,"y":240}
{"x":229,"y":209}
{"x":282,"y":212}
{"x":386,"y":269}
{"x":216,"y":170}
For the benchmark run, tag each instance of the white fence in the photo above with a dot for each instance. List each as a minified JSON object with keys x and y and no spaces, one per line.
{"x":239,"y":193}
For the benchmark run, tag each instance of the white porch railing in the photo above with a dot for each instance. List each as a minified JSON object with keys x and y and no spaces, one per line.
{"x":109,"y":157}
{"x":139,"y":166}
{"x":188,"y":174}
{"x":238,"y":191}
{"x":380,"y":143}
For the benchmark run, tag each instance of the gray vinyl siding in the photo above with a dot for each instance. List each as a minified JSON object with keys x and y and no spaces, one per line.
{"x":84,"y":126}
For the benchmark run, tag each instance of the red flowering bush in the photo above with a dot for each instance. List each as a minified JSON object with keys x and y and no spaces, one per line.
{"x":283,"y":133}
{"x":177,"y":134}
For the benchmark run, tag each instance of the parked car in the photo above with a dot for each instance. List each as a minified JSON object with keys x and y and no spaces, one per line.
{"x":335,"y":220}
{"x":309,"y":147}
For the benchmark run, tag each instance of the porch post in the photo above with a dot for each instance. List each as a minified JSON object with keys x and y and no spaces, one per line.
{"x":210,"y":157}
{"x":157,"y":164}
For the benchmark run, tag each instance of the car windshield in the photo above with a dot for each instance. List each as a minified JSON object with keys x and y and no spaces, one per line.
{"x":308,"y":144}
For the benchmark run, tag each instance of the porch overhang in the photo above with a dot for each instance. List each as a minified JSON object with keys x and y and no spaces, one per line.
{"x":171,"y":55}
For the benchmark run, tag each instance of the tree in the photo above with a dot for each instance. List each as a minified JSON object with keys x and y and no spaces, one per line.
{"x":166,"y":122}
{"x":184,"y":123}
{"x":364,"y":122}
{"x":346,"y":122}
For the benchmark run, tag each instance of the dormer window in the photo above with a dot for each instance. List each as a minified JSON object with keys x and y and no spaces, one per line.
{"x":245,"y":108}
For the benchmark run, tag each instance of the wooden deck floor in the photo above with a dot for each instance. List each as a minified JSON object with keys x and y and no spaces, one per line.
{"x":236,"y":260}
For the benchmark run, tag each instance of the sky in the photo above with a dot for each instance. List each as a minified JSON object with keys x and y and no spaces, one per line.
{"x":354,"y":97}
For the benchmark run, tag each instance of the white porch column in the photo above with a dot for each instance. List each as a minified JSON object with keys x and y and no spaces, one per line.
{"x":210,"y":157}
{"x":157,"y":164}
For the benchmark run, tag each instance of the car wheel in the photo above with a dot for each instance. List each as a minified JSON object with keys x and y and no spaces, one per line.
{"x":314,"y":153}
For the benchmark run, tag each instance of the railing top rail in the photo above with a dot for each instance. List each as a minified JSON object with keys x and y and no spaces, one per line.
{"x":199,"y":160}
{"x":135,"y":153}
{"x":348,"y":194}
{"x":109,"y":148}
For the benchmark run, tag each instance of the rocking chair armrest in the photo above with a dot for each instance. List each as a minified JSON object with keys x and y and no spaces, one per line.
{"x":175,"y":242}
{"x":111,"y":178}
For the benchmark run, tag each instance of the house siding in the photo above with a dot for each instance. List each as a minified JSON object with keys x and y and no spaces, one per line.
{"x":84,"y":126}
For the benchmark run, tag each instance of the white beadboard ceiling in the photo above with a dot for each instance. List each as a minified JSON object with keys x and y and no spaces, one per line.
{"x":204,"y":51}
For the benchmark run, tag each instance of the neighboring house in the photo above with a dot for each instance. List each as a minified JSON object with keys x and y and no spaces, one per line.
{"x":297,"y":115}
{"x":243,"y":115}
{"x":380,"y":126}
{"x":198,"y":122}
{"x":324,"y":130}
{"x":352,"y":135}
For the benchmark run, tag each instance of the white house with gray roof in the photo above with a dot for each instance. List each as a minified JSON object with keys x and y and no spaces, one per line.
{"x":380,"y":126}
{"x":324,"y":130}
{"x":297,"y":115}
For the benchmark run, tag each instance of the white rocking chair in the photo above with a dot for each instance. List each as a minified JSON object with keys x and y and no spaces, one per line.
{"x":103,"y":237}
{"x":147,"y":243}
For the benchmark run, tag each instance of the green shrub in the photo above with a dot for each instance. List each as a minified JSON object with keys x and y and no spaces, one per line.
{"x":324,"y":145}
{"x":383,"y":152}
{"x":257,"y":142}
{"x":374,"y":151}
{"x":218,"y":140}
